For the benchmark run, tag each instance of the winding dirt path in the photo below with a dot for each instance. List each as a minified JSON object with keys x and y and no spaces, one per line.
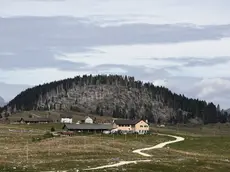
{"x":139,"y":151}
{"x":159,"y":146}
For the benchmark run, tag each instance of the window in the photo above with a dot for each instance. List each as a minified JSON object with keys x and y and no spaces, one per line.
{"x":141,"y":126}
{"x":146,"y":126}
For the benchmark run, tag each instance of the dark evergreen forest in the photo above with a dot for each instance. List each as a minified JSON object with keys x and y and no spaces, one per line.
{"x":208,"y":112}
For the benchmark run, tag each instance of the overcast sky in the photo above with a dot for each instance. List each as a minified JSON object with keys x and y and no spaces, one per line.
{"x":180,"y":44}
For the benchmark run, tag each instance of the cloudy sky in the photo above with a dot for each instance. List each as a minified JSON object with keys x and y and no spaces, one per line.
{"x":180,"y":44}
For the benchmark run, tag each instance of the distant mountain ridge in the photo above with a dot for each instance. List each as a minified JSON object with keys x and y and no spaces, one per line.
{"x":228,"y":111}
{"x":2,"y":102}
{"x":114,"y":95}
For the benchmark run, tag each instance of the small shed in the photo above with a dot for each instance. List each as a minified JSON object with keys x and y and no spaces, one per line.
{"x":66,"y":118}
{"x":88,"y":120}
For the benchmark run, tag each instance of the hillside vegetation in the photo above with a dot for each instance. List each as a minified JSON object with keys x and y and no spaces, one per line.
{"x":116,"y":96}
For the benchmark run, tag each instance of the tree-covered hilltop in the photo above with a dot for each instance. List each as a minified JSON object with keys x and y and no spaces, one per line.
{"x":118,"y":96}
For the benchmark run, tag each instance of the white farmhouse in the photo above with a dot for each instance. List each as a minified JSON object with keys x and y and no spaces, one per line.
{"x":88,"y":120}
{"x":67,"y":119}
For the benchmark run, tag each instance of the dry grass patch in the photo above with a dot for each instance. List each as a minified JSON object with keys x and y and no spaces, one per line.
{"x":67,"y":153}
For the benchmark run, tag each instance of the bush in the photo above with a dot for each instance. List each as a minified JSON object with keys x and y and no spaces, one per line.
{"x":52,"y":129}
{"x":45,"y":136}
{"x":48,"y":135}
{"x":36,"y":139}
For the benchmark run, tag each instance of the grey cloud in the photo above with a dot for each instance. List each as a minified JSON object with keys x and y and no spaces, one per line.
{"x":188,"y":86}
{"x":140,"y":72}
{"x":46,"y":0}
{"x":36,"y":40}
{"x":208,"y":62}
{"x":191,"y":61}
{"x":36,"y":59}
{"x":220,"y":90}
{"x":192,"y":87}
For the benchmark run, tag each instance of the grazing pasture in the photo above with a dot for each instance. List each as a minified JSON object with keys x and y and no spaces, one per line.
{"x":206,"y":148}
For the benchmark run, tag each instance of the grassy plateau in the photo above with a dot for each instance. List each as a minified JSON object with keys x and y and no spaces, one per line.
{"x":206,"y":148}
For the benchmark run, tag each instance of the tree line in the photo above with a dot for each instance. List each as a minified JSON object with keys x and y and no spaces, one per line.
{"x":185,"y":108}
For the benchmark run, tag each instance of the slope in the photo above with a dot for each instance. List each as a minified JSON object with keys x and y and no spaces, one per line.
{"x":113,"y":95}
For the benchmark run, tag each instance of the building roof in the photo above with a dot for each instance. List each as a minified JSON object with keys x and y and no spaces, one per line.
{"x":88,"y":126}
{"x":127,"y":122}
{"x":15,"y":120}
{"x":36,"y":119}
{"x":88,"y":117}
{"x":66,"y":116}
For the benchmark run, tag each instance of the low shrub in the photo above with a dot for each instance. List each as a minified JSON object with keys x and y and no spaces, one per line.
{"x":47,"y":135}
{"x":52,"y":129}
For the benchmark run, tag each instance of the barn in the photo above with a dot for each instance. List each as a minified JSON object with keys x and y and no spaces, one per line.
{"x":35,"y":120}
{"x":87,"y":127}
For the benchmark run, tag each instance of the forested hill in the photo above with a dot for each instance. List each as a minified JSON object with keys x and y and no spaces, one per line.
{"x":117,"y":96}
